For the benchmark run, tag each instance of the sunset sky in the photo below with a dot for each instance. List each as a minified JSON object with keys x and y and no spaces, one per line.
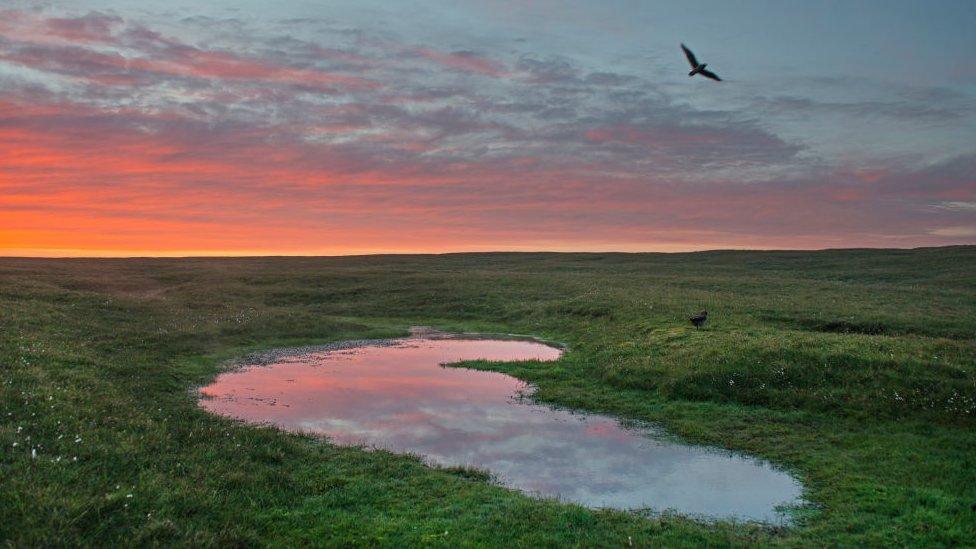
{"x":138,"y":127}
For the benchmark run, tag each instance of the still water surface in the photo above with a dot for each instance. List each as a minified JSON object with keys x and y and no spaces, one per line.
{"x":397,"y":396}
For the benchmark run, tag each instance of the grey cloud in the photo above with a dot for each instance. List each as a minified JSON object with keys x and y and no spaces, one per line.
{"x":448,"y":104}
{"x":905,"y":110}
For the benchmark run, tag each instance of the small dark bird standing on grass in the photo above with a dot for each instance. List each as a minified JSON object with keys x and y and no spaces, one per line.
{"x":698,"y":68}
{"x":700,"y":319}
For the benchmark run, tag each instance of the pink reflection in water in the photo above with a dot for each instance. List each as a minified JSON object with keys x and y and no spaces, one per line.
{"x":398,"y":397}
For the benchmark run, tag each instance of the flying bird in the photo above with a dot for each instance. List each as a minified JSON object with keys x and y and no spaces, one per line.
{"x":698,"y":68}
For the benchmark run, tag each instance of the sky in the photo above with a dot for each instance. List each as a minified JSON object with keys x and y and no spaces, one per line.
{"x":300,"y":127}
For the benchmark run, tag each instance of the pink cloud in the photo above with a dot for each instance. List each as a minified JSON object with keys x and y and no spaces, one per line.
{"x":94,"y":27}
{"x":222,"y":65}
{"x":160,"y":58}
{"x":464,"y":61}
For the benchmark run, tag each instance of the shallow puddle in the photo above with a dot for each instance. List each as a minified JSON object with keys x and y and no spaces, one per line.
{"x":397,"y":396}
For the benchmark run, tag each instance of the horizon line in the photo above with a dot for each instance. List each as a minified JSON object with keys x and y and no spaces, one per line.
{"x":221,"y":255}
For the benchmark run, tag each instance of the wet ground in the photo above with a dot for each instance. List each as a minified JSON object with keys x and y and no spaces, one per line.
{"x":396,"y":395}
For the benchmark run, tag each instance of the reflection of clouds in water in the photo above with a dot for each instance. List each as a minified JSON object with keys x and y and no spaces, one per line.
{"x":399,"y":398}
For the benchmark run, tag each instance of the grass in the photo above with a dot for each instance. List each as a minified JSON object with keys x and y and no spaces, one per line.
{"x":854,"y":369}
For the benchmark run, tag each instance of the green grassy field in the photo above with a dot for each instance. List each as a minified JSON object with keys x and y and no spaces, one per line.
{"x":855,"y":370}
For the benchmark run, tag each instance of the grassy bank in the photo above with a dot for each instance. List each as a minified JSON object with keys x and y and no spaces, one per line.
{"x":856,"y":370}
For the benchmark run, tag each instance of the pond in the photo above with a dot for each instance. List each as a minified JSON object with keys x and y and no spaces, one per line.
{"x":396,"y":395}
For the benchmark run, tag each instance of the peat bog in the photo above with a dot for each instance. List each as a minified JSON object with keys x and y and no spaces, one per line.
{"x":853,"y":370}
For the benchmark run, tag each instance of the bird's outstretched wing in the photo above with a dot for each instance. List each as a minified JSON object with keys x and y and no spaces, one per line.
{"x":709,"y":74}
{"x":690,"y":56}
